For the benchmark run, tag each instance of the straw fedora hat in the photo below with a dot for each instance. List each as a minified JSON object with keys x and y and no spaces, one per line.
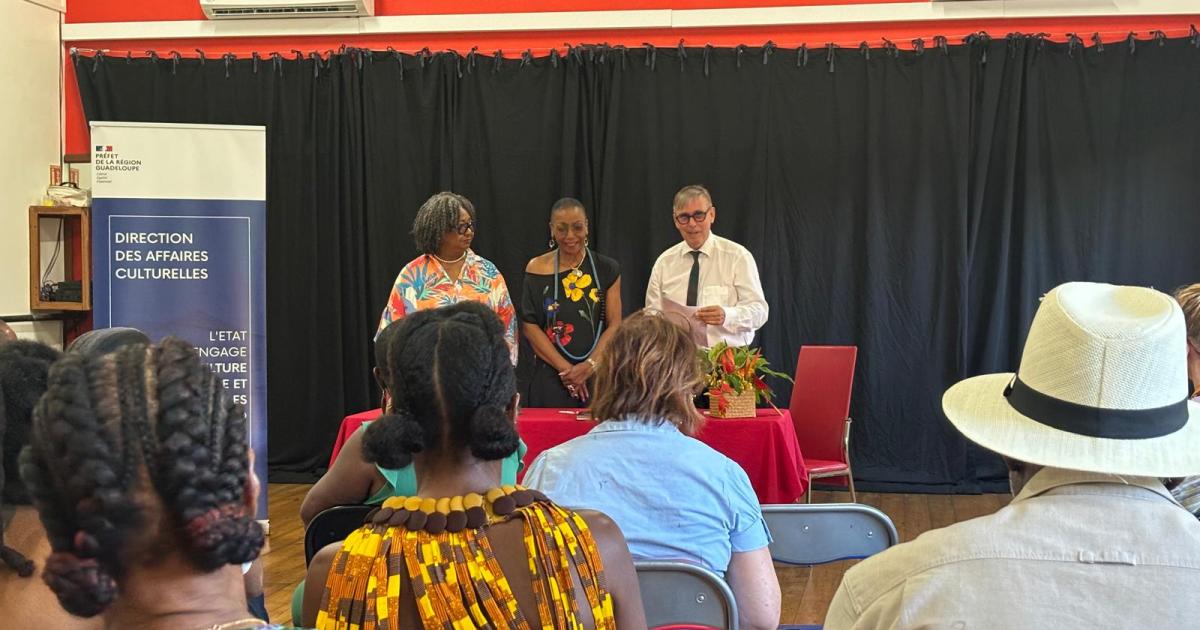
{"x":1102,"y":387}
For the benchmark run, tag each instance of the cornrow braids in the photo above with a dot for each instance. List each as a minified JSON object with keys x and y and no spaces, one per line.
{"x":438,"y":215}
{"x":101,"y":341}
{"x":452,"y":382}
{"x":107,"y":425}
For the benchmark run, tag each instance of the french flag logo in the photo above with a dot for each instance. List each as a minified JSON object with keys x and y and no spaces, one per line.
{"x":103,"y":149}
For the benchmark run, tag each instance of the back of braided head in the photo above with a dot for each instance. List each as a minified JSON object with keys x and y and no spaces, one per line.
{"x":452,"y":384}
{"x":126,"y":446}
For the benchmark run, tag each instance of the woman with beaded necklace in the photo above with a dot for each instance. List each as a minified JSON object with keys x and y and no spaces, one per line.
{"x":463,"y":550}
{"x":571,"y":302}
{"x":448,"y":271}
{"x":140,"y":471}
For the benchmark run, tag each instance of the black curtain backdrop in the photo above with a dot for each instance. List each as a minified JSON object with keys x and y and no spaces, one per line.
{"x":916,"y":204}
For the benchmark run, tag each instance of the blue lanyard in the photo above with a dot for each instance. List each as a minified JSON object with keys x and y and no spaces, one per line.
{"x":596,"y":330}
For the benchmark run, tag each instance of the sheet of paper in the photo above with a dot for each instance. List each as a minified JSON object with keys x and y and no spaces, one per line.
{"x":697,"y":328}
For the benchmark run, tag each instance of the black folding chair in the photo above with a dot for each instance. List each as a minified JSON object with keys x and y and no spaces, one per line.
{"x":332,"y":525}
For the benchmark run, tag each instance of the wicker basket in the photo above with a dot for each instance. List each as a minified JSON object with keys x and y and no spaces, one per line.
{"x":738,"y":406}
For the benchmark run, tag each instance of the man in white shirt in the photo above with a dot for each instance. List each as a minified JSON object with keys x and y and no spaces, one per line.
{"x":713,"y":273}
{"x":1096,"y":414}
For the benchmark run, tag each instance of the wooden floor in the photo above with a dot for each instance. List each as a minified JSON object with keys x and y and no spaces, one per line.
{"x":806,"y":591}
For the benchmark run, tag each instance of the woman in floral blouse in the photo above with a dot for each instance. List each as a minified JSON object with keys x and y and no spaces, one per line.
{"x":571,"y":300}
{"x":447,"y":271}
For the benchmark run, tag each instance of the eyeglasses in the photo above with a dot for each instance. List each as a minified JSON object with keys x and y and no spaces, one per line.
{"x":463,"y":227}
{"x":697,"y":216}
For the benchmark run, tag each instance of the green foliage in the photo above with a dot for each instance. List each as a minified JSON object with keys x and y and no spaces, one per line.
{"x":734,"y":370}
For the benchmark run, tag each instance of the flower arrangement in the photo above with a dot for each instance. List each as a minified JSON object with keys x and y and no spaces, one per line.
{"x":733,"y":376}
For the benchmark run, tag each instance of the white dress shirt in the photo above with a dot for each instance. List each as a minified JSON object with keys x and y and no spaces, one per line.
{"x":728,"y":278}
{"x":1073,"y":550}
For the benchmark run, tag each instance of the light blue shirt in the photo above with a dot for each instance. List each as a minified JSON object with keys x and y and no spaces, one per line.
{"x":674,"y":497}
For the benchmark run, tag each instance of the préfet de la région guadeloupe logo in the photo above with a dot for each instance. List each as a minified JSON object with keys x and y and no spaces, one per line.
{"x":107,"y":162}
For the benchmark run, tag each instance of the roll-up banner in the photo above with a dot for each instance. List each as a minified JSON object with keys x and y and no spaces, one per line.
{"x":179,"y":248}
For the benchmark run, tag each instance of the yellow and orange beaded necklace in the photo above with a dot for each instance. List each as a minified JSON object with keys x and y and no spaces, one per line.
{"x":443,"y":546}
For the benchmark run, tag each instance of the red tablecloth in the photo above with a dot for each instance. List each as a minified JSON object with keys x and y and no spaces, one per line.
{"x":764,"y":446}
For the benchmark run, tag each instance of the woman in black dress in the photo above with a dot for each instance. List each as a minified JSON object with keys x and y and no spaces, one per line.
{"x":571,"y":300}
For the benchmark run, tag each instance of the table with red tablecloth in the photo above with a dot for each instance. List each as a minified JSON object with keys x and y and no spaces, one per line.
{"x":764,"y":446}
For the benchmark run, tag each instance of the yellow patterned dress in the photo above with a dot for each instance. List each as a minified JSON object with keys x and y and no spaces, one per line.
{"x":442,"y":546}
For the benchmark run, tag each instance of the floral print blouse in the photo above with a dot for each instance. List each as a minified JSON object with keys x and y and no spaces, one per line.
{"x":423,"y":284}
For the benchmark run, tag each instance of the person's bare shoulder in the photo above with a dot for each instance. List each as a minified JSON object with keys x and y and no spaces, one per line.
{"x":543,"y":264}
{"x":604,"y":529}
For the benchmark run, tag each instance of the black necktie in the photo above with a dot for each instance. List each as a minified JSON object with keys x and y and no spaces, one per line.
{"x":694,"y":279}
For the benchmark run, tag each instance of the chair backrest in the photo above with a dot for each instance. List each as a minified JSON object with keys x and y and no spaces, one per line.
{"x":821,"y":399}
{"x":685,"y":595}
{"x":827,"y":532}
{"x":332,"y":525}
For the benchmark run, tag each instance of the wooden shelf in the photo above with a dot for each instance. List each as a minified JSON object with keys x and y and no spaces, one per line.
{"x":77,"y":255}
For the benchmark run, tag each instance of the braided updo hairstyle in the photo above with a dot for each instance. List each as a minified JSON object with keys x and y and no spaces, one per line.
{"x":452,"y":382}
{"x":125,"y":447}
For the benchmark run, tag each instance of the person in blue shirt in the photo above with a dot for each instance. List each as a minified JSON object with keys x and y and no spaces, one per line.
{"x":674,"y":497}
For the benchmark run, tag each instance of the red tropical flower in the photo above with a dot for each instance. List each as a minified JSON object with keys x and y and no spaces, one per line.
{"x":727,"y":360}
{"x":560,"y":332}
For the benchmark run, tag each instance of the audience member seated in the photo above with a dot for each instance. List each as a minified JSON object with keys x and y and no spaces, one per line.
{"x":102,"y":341}
{"x":464,"y":550}
{"x":673,"y":496}
{"x":1097,"y":412}
{"x":352,"y":479}
{"x":1187,"y":491}
{"x":140,"y":471}
{"x":24,"y":597}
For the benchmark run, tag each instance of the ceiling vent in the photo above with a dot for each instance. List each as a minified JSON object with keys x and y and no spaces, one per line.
{"x":239,"y":9}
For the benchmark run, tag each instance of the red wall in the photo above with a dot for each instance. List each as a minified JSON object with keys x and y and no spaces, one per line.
{"x":512,"y":43}
{"x":79,"y":11}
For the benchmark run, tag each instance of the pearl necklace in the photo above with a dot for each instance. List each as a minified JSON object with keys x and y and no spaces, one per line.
{"x":450,"y":262}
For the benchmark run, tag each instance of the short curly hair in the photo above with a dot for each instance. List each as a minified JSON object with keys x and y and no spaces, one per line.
{"x":438,"y":215}
{"x":126,"y":447}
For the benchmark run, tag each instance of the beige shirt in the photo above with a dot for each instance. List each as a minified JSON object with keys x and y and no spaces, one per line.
{"x":1072,"y":550}
{"x":728,"y":278}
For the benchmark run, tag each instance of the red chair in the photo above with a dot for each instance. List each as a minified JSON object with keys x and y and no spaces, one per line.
{"x":820,"y":409}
